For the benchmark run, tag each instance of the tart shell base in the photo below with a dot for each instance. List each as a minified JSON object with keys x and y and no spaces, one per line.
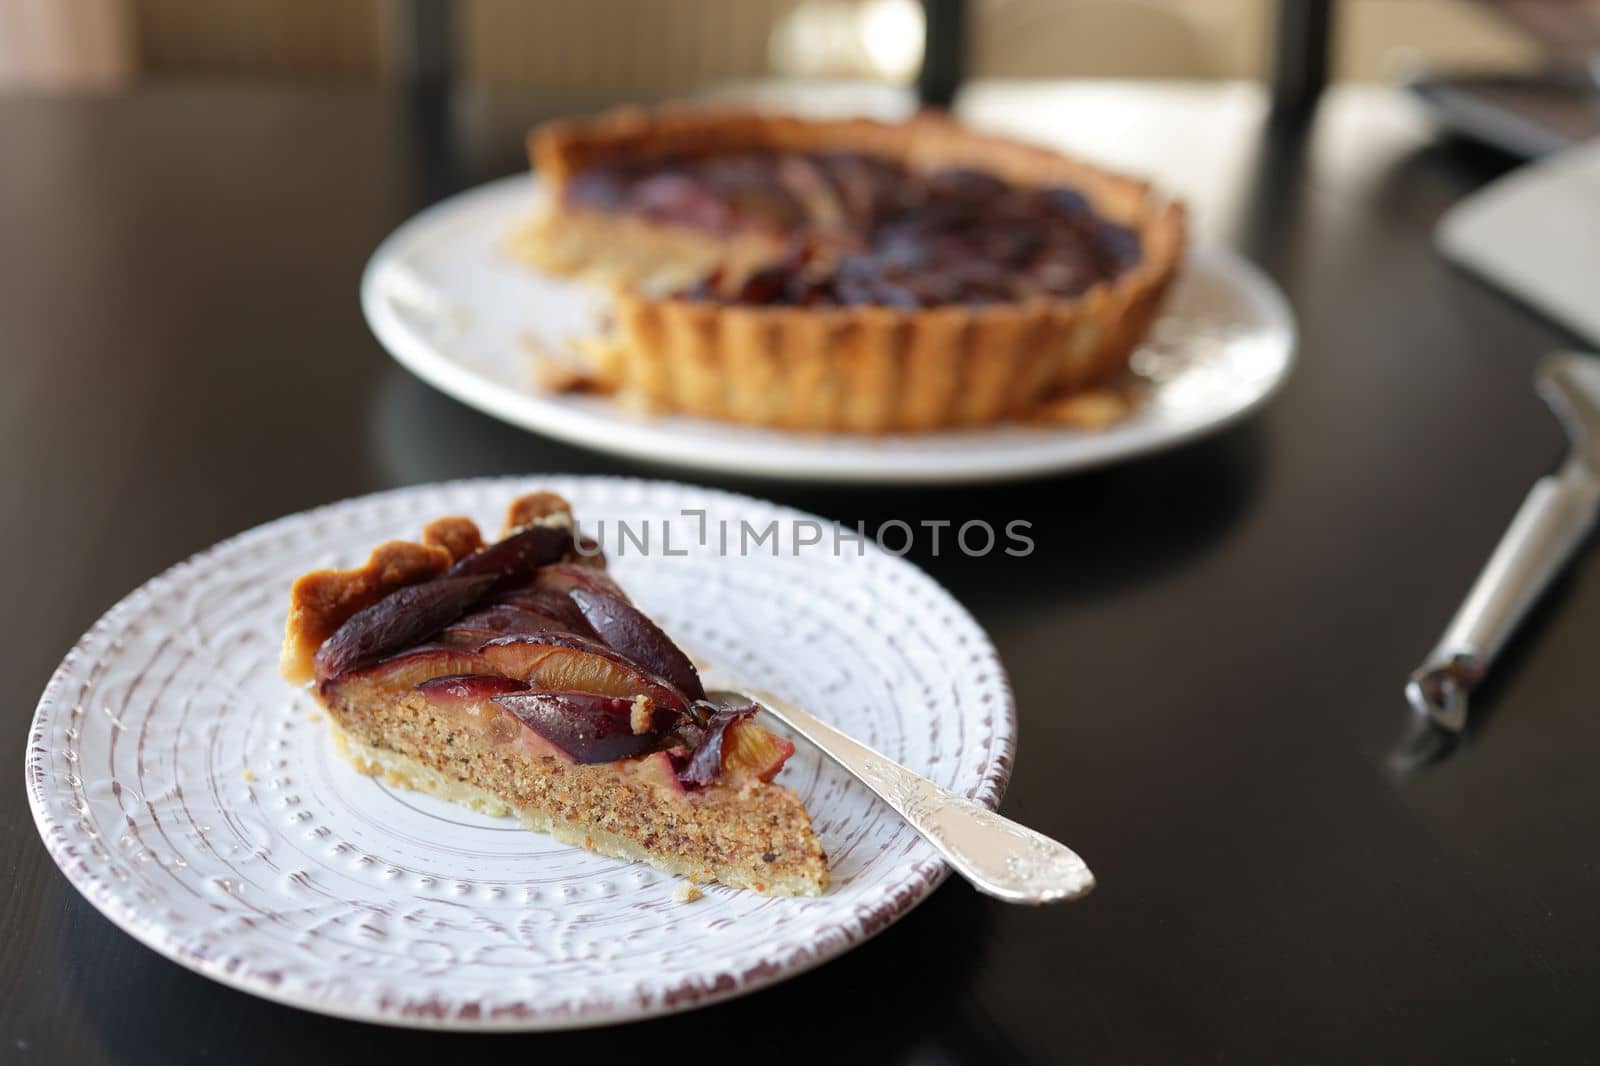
{"x":873,"y":369}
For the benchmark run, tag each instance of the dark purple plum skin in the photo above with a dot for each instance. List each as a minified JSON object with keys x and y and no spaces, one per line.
{"x":563,"y":577}
{"x":401,"y":619}
{"x":514,"y":560}
{"x":555,"y":606}
{"x":587,"y":727}
{"x":563,"y":638}
{"x":630,"y":631}
{"x":504,"y":619}
{"x":956,"y":235}
{"x":470,"y":687}
{"x":705,"y":764}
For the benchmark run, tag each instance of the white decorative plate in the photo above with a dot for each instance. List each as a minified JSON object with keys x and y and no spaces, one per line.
{"x":186,"y":790}
{"x":454,"y":308}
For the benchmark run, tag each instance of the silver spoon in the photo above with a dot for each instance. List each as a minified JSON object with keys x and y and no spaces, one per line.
{"x":1000,"y":857}
{"x":1553,"y":522}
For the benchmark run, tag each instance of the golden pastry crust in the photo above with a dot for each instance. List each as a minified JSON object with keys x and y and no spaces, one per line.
{"x":456,"y":535}
{"x":864,"y":369}
{"x":535,"y":507}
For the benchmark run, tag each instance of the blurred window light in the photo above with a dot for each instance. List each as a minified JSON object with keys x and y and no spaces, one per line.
{"x":877,"y":39}
{"x":892,"y":32}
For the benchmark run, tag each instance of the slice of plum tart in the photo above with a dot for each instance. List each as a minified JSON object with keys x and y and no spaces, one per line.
{"x":517,"y":678}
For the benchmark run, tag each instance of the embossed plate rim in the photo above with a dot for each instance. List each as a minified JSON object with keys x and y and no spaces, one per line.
{"x":827,"y":941}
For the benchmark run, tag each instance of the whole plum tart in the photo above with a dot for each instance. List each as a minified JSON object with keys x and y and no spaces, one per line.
{"x":848,"y":275}
{"x":517,"y":678}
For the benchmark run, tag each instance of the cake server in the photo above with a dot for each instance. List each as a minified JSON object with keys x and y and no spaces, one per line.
{"x":1553,"y":522}
{"x":1000,"y":857}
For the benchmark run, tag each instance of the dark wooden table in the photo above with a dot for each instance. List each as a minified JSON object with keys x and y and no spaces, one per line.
{"x":1208,"y":647}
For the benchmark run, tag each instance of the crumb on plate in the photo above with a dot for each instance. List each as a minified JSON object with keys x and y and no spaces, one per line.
{"x":556,"y":369}
{"x":1090,"y":411}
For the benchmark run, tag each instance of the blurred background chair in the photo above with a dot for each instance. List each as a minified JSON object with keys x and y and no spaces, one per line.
{"x":1463,"y":57}
{"x":653,"y":48}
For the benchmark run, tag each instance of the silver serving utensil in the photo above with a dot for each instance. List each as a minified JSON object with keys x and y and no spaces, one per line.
{"x":1553,"y":522}
{"x":999,"y":857}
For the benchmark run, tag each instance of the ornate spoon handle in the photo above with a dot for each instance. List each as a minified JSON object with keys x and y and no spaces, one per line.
{"x":999,"y":857}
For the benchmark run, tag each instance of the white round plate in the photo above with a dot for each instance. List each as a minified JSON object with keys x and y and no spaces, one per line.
{"x":194,"y":797}
{"x":453,"y":307}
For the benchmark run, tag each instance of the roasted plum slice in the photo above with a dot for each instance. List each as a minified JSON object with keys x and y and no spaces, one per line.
{"x":585,"y":726}
{"x":750,"y":748}
{"x":705,"y":763}
{"x":556,"y":606}
{"x":402,"y":618}
{"x":557,"y":662}
{"x":469,"y":688}
{"x":411,"y":668}
{"x":630,"y":631}
{"x":465,"y":703}
{"x":514,"y":560}
{"x":500,"y":620}
{"x":566,"y":576}
{"x":681,"y":198}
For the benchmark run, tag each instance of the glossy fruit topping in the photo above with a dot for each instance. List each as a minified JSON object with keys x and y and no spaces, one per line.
{"x":630,"y":631}
{"x":565,"y":576}
{"x":514,"y":560}
{"x":403,"y":618}
{"x":705,"y":762}
{"x":588,"y":728}
{"x":412,"y":667}
{"x":871,"y":231}
{"x":469,"y":688}
{"x":564,"y":662}
{"x":750,"y":748}
{"x":500,"y":620}
{"x":558,"y":607}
